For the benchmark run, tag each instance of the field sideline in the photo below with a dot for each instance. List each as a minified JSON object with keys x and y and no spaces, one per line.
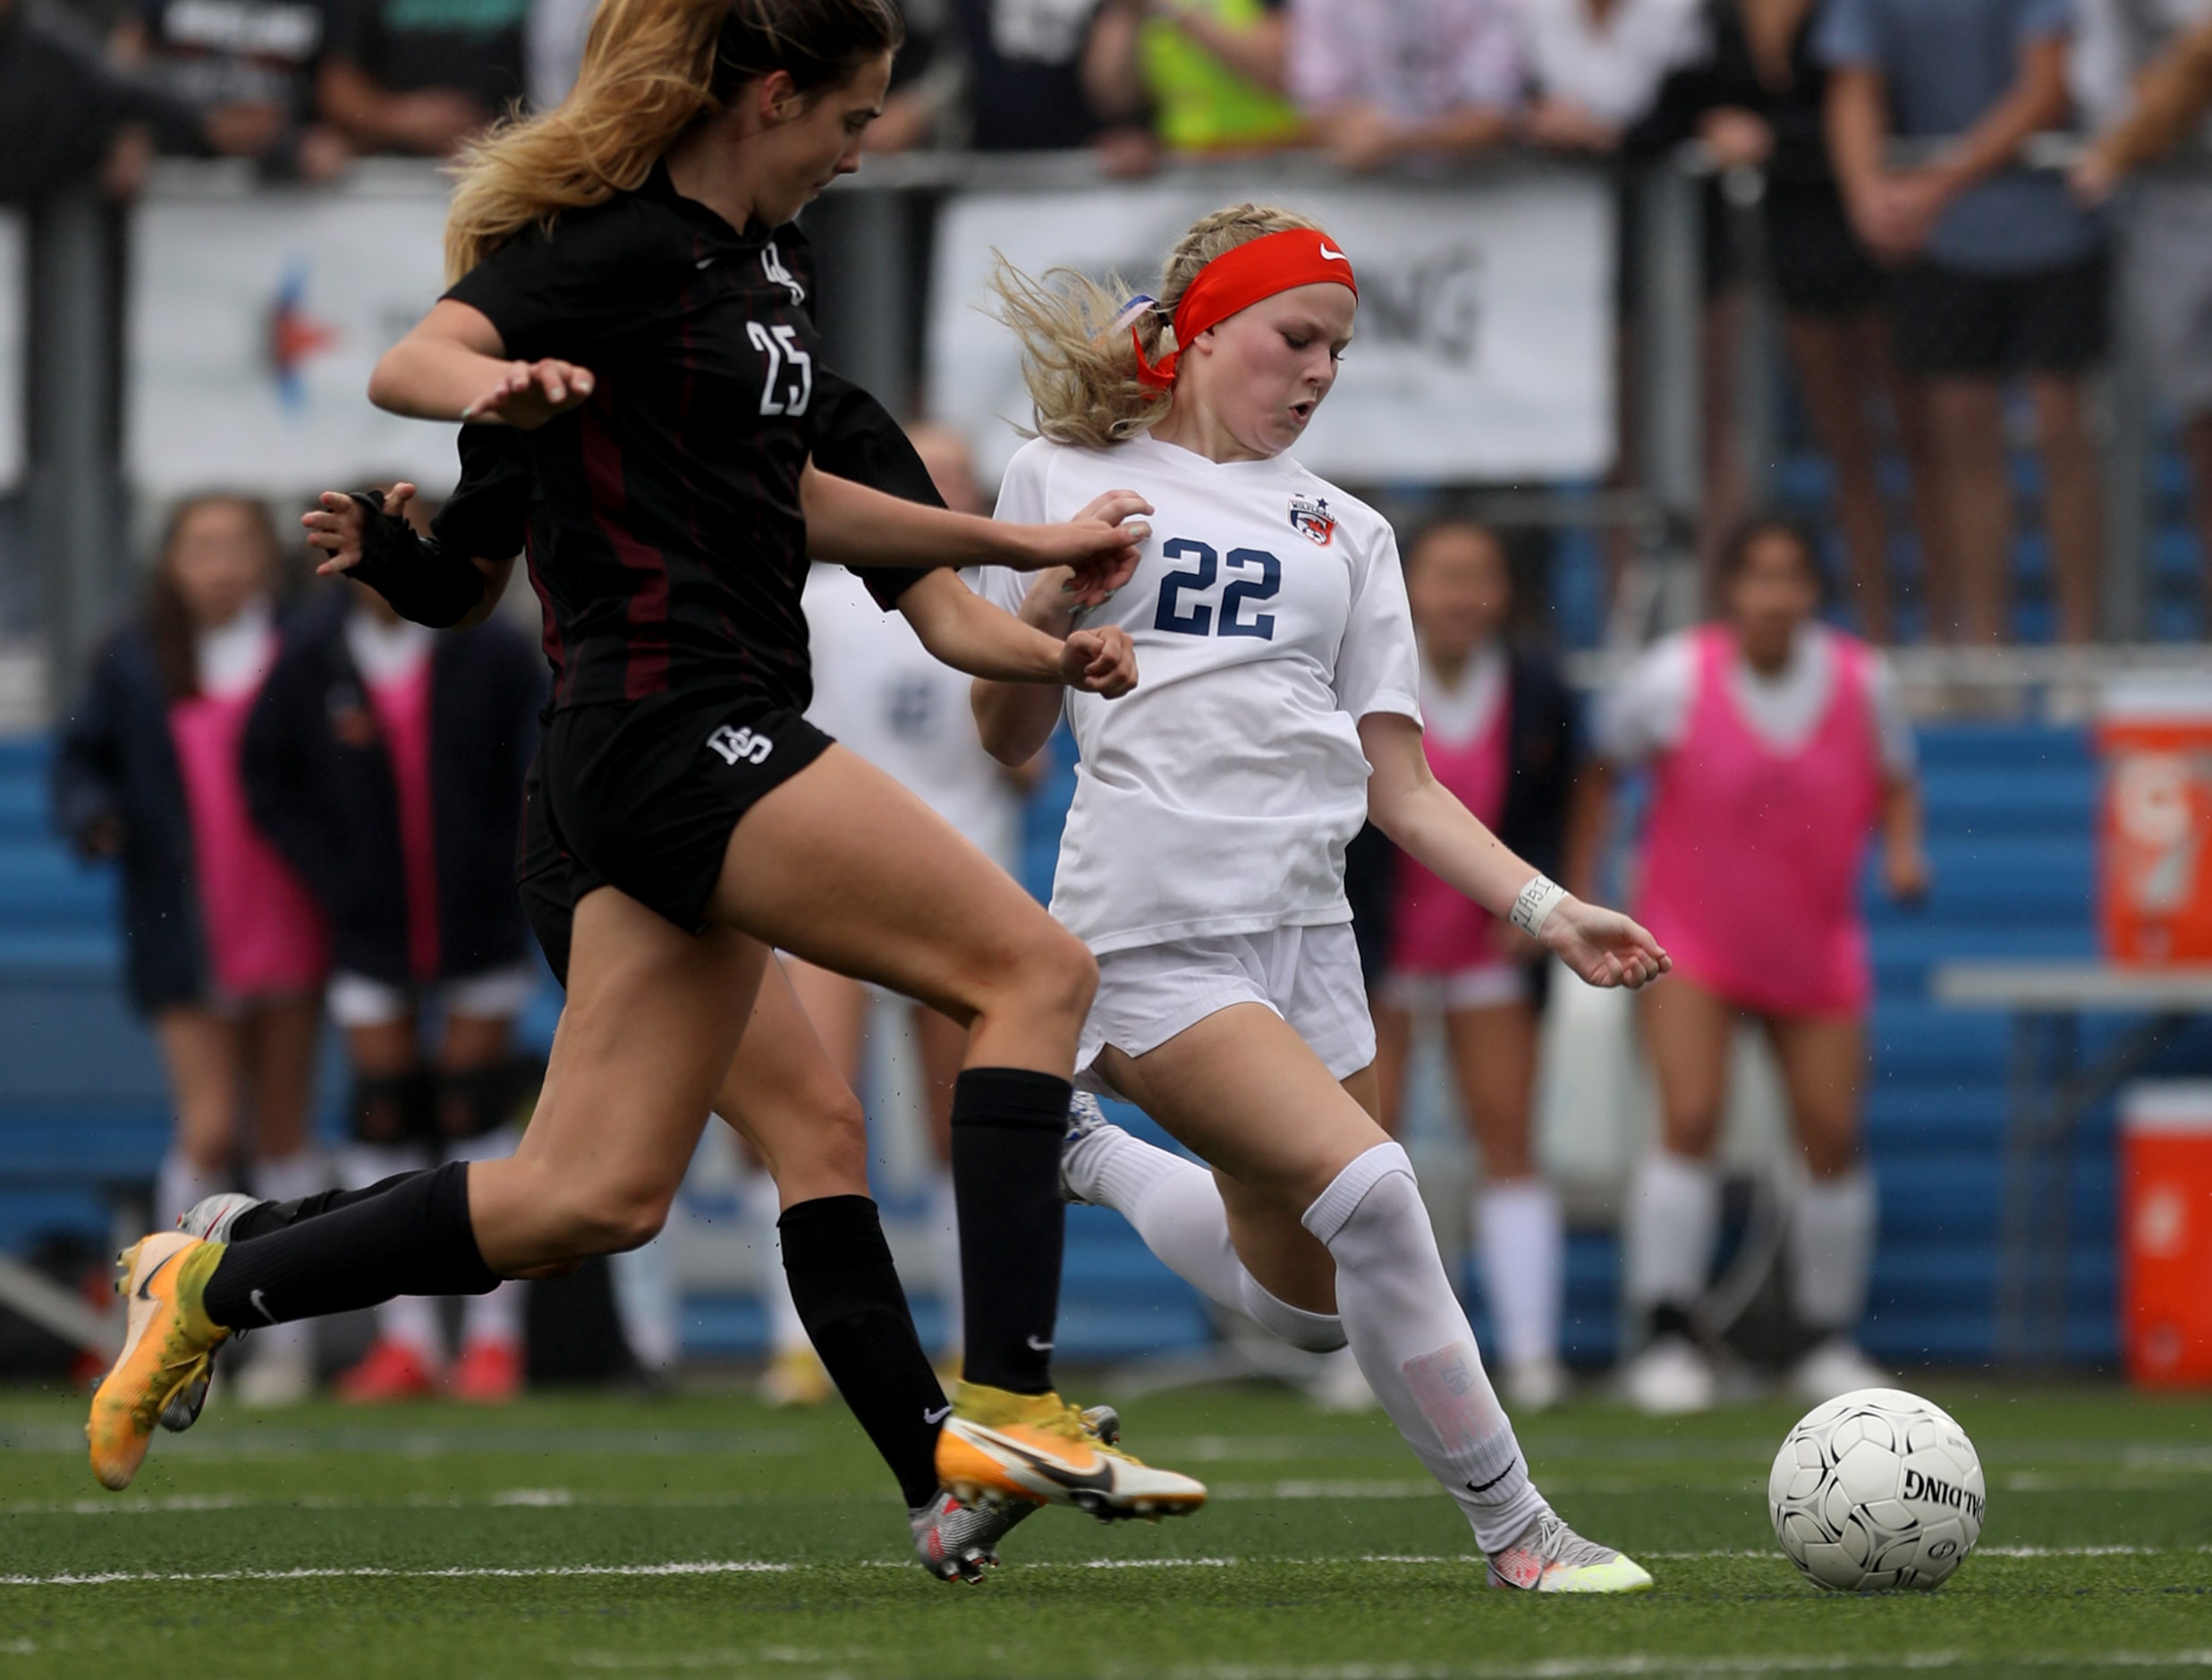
{"x":705,"y":1535}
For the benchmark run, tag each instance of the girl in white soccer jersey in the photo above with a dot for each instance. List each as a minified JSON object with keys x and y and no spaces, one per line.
{"x":1203,"y":858}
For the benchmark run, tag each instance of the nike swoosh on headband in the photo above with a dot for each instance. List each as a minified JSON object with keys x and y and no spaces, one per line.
{"x":1333,"y":256}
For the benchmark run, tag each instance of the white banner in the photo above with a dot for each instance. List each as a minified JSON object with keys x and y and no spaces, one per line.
{"x":14,"y":311}
{"x":254,"y":322}
{"x":1484,"y":349}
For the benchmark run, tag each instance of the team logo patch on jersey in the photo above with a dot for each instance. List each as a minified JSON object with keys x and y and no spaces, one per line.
{"x":1310,"y":517}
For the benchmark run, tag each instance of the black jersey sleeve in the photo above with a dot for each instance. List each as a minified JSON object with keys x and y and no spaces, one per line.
{"x":563,"y":290}
{"x":487,"y":514}
{"x":855,"y":437}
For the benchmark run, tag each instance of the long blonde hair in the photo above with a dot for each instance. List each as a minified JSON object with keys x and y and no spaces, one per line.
{"x":650,"y":70}
{"x":1080,"y":368}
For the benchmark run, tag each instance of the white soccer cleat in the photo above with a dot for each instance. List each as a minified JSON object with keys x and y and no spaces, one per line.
{"x":1086,"y":1119}
{"x":212,"y":1218}
{"x":1671,"y":1377}
{"x":1549,"y":1557}
{"x":1835,"y":1367}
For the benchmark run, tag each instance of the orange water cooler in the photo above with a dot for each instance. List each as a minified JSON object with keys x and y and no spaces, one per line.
{"x":2155,"y":838}
{"x":2166,"y":1233}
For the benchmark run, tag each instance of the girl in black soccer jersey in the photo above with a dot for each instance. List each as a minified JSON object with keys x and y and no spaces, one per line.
{"x":782,"y":1090}
{"x":621,"y":300}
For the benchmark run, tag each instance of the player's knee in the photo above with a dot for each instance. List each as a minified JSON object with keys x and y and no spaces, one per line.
{"x":612,"y":1219}
{"x":1056,"y":973}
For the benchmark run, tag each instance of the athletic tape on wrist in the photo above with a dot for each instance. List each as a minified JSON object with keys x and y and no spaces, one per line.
{"x":1535,"y":905}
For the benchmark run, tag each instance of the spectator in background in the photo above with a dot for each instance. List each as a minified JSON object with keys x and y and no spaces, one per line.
{"x":384,"y":760}
{"x":66,"y":116}
{"x":1390,"y":79}
{"x":1999,"y":272}
{"x":224,"y":948}
{"x":1756,"y":103}
{"x":247,"y":68}
{"x":420,"y":76}
{"x":1498,"y":727}
{"x":2166,"y":51}
{"x":1778,"y":750}
{"x":1023,"y":62}
{"x":1595,"y":67}
{"x":1594,"y":71}
{"x":924,"y":97}
{"x":1210,"y":72}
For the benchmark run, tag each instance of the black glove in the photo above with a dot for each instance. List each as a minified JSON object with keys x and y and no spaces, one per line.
{"x":422,"y":578}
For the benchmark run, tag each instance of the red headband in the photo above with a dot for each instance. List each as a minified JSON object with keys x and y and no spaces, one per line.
{"x":1236,"y":280}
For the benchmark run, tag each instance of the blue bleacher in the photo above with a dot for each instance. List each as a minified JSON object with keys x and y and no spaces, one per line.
{"x":81,"y":1108}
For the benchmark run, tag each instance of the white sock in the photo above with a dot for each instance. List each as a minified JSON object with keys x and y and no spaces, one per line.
{"x":1831,"y":1250}
{"x":180,"y":1185}
{"x":1315,"y":1332}
{"x":944,"y":1221}
{"x":1176,"y":1208}
{"x":1673,"y":1218}
{"x":759,"y":1206}
{"x":1523,"y":1247}
{"x":1414,"y":1347}
{"x":647,"y":1301}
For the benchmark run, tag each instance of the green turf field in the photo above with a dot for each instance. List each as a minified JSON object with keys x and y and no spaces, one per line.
{"x":703,"y":1535}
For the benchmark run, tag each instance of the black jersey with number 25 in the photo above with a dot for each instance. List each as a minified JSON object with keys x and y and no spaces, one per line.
{"x":667,"y":544}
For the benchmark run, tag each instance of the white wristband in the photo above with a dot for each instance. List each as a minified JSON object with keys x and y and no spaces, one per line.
{"x":1535,"y":905}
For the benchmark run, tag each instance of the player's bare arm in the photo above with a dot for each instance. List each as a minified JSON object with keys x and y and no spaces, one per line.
{"x":1428,"y":823}
{"x":962,"y":629}
{"x":453,"y":366}
{"x":1015,"y":721}
{"x":850,"y":524}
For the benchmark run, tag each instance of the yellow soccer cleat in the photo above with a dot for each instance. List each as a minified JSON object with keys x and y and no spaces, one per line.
{"x":1549,"y":1557}
{"x":998,"y":1447}
{"x":167,"y":1344}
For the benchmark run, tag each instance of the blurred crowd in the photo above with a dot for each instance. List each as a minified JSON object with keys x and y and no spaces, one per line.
{"x":1941,"y":299}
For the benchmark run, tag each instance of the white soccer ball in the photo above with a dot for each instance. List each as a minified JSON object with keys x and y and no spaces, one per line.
{"x":1876,"y":1490}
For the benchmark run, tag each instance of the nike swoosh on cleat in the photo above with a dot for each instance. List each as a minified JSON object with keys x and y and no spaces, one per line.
{"x":937,"y":1415}
{"x":1098,"y":1480}
{"x":1333,"y":256}
{"x":1036,"y":1346}
{"x":150,"y":1276}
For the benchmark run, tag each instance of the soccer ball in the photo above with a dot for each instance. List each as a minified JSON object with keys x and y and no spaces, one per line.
{"x":1876,"y":1490}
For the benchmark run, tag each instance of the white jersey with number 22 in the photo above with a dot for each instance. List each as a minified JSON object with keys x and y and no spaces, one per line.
{"x":1269,"y":615}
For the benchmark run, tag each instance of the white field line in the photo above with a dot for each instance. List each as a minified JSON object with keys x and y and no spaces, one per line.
{"x":1629,"y":1667}
{"x":754,"y":1566}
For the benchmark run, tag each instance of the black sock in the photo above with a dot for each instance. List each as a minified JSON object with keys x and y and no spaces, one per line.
{"x":848,"y":1296}
{"x":415,"y":1239}
{"x":1007,"y":1124}
{"x":277,"y":1215}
